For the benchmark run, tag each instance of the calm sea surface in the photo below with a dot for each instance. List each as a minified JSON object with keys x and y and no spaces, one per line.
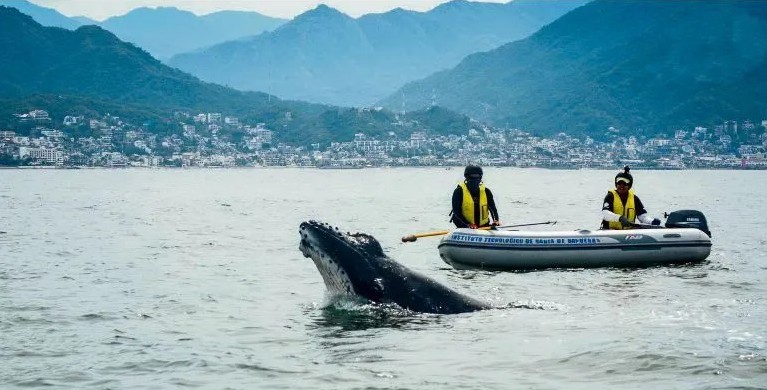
{"x":193,"y":278}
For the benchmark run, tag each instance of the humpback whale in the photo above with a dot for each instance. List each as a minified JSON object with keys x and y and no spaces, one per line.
{"x":355,"y":265}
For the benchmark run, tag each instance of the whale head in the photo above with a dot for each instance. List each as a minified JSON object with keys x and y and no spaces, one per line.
{"x":349,"y":263}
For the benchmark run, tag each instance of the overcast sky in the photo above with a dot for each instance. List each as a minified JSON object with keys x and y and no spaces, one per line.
{"x":102,"y":9}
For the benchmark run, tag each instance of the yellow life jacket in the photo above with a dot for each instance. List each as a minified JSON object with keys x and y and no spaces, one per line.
{"x":628,"y":210}
{"x":468,"y":205}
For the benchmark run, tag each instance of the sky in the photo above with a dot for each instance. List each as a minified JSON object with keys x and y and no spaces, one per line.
{"x":103,"y":9}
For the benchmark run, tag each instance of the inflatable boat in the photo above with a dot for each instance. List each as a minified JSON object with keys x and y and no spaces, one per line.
{"x":684,"y":238}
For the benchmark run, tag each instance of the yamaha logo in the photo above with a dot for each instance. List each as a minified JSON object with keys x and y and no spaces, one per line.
{"x":634,"y":237}
{"x":693,"y":219}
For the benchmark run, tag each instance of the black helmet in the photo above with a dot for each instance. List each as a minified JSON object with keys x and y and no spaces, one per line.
{"x":472,"y":170}
{"x":624,"y":176}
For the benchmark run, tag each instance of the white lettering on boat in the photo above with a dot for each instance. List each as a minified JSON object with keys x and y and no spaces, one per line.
{"x":525,"y":241}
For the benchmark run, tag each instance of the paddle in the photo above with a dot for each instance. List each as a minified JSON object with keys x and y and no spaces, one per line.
{"x":413,"y":237}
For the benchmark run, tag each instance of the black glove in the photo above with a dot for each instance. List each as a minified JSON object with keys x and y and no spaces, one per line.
{"x":655,"y":222}
{"x":624,"y":221}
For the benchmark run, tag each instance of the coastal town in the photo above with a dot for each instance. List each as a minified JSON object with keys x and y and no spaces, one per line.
{"x":204,"y":140}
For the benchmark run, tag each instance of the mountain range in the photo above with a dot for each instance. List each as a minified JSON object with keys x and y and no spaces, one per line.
{"x":640,"y":66}
{"x":91,"y":69}
{"x":167,"y":31}
{"x":636,"y":67}
{"x":326,"y":56}
{"x":46,"y":16}
{"x":91,"y":61}
{"x":162,"y":31}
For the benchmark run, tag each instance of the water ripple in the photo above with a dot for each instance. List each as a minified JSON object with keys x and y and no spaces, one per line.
{"x":191,"y":278}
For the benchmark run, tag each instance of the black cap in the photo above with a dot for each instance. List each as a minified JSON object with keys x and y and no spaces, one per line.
{"x":472,"y":170}
{"x":625,"y":176}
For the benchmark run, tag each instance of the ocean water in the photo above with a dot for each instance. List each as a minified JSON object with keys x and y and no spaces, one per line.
{"x":157,"y":279}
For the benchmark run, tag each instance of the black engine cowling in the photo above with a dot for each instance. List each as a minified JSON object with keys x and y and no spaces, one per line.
{"x":688,"y":219}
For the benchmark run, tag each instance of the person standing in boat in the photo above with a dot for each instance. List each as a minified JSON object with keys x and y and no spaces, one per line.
{"x":473,"y":203}
{"x":621,"y":207}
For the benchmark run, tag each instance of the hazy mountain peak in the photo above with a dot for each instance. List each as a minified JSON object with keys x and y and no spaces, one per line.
{"x":393,"y":14}
{"x":166,"y":31}
{"x":453,"y":4}
{"x":399,"y":10}
{"x":322,"y":11}
{"x":44,"y":16}
{"x":158,"y":14}
{"x":322,"y":7}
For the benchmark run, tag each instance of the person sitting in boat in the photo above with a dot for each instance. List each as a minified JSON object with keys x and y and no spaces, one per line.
{"x":621,"y":207}
{"x":473,"y":203}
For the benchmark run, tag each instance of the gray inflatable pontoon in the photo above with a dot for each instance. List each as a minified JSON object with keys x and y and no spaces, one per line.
{"x":521,"y":250}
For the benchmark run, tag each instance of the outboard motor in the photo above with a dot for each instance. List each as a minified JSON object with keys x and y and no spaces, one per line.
{"x":687,"y":219}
